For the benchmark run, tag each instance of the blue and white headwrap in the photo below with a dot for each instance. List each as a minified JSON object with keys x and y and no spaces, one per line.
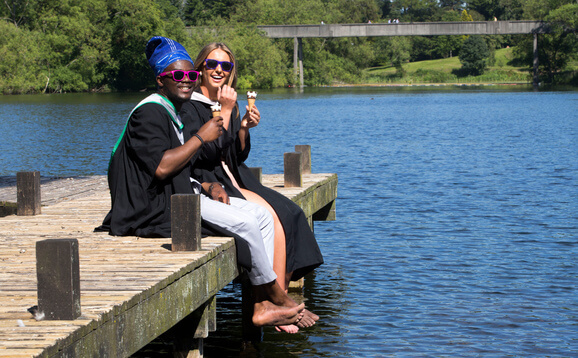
{"x":162,"y":51}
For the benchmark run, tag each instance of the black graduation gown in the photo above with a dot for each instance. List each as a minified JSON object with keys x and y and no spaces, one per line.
{"x":303,"y":253}
{"x":141,"y":203}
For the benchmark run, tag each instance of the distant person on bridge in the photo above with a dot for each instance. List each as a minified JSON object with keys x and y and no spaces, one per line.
{"x":153,"y":159}
{"x":296,"y":249}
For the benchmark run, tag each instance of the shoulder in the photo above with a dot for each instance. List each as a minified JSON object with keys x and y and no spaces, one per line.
{"x":149,"y":115}
{"x":149,"y":109}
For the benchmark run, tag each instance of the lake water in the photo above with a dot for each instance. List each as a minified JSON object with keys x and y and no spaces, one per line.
{"x":457,"y":216}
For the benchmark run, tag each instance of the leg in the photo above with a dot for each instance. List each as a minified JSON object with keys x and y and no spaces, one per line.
{"x":280,"y":263}
{"x":254,"y":224}
{"x":280,"y":257}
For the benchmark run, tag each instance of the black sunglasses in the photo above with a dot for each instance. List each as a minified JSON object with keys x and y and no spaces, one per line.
{"x":225,"y":65}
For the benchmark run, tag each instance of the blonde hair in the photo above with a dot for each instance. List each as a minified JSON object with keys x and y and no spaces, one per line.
{"x":202,"y":56}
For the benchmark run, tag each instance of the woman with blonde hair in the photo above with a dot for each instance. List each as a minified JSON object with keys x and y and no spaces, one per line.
{"x":296,"y":251}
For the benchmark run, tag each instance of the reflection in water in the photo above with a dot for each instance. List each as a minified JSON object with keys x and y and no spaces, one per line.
{"x":323,"y":292}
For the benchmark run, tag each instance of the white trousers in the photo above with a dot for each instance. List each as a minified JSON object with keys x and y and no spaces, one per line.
{"x":254,"y":224}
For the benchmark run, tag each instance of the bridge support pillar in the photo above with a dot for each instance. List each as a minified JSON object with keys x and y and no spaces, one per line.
{"x":298,"y":59}
{"x":536,"y":79}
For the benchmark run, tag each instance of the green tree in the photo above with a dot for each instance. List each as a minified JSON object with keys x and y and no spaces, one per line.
{"x":133,"y":23}
{"x":539,"y":9}
{"x":501,"y":9}
{"x":201,"y":12}
{"x":465,"y":16}
{"x":21,"y":61}
{"x":417,"y":10}
{"x":385,"y":8}
{"x":289,"y":12}
{"x":393,"y":51}
{"x":556,"y":49}
{"x":357,"y":11}
{"x":15,"y":11}
{"x":473,"y":55}
{"x":73,"y":43}
{"x":451,"y":5}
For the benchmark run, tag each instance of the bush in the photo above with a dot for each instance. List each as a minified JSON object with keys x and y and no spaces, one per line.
{"x":474,"y":55}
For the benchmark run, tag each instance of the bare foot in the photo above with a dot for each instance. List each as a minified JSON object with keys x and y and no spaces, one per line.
{"x":268,"y":314}
{"x":308,"y":320}
{"x":290,"y":328}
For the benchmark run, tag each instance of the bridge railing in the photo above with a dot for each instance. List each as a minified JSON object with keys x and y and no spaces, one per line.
{"x":406,"y":29}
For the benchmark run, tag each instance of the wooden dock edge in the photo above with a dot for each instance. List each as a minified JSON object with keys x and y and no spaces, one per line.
{"x":154,"y":311}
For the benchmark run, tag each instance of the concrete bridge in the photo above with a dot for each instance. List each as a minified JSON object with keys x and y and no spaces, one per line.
{"x":298,"y":32}
{"x":406,"y":29}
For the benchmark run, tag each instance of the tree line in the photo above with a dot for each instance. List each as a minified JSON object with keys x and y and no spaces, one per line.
{"x":53,"y":46}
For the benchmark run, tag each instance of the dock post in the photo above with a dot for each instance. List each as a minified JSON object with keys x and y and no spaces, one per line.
{"x":58,"y":274}
{"x":257,"y":172}
{"x":251,"y":333}
{"x":305,"y":151}
{"x":188,"y":336}
{"x":186,"y":222}
{"x":28,"y":196}
{"x":189,"y":333}
{"x":292,"y":164}
{"x":211,"y":313}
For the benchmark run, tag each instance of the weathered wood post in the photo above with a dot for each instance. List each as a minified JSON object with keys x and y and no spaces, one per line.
{"x":257,"y":172}
{"x":305,"y":151}
{"x":58,"y":274}
{"x":28,"y":193}
{"x":251,"y":333}
{"x":186,"y":236}
{"x":292,"y":169}
{"x":186,"y":222}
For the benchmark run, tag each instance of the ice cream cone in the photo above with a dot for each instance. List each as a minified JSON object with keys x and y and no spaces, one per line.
{"x":216,"y":109}
{"x":251,"y":97}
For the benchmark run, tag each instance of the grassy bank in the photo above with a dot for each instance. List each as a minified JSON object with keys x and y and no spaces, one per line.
{"x":447,"y":71}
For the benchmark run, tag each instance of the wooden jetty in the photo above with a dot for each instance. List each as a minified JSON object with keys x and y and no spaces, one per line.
{"x":132,"y":289}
